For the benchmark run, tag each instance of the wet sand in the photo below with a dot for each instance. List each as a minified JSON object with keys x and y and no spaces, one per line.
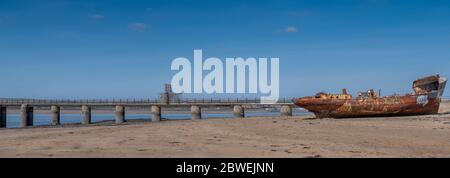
{"x":445,"y":108}
{"x":291,"y":137}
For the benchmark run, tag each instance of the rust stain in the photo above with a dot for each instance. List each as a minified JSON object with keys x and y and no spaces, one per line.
{"x":425,"y":100}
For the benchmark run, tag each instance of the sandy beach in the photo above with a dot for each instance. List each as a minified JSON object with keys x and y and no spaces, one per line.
{"x":290,"y":137}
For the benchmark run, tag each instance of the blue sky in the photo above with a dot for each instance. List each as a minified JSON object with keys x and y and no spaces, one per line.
{"x":123,"y":49}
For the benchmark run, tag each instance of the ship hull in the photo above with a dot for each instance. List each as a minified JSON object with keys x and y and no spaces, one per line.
{"x":380,"y":107}
{"x":425,"y":101}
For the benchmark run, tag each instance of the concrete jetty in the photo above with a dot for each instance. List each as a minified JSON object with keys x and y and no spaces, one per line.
{"x":27,"y":107}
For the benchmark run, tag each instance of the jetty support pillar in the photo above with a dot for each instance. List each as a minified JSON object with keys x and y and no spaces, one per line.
{"x":286,"y":110}
{"x":86,"y":114}
{"x":196,"y":112}
{"x":26,"y":115}
{"x":3,"y":116}
{"x":56,"y":115}
{"x":120,"y":114}
{"x":238,"y":111}
{"x":156,"y":113}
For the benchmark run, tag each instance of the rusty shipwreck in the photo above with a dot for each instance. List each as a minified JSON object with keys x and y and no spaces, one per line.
{"x":425,"y":100}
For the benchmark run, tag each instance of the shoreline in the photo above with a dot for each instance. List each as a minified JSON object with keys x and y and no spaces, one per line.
{"x":253,"y":137}
{"x":258,"y":137}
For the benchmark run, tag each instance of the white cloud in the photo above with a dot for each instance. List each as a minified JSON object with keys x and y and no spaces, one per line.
{"x":138,"y":26}
{"x":97,"y":17}
{"x":291,"y":30}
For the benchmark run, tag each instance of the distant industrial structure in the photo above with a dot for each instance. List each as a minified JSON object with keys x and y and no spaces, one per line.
{"x":169,"y":96}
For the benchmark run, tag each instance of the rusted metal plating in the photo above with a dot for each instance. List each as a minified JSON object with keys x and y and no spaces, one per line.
{"x":425,"y":100}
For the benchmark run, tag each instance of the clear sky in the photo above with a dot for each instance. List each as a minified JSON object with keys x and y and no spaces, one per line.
{"x":123,"y":49}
